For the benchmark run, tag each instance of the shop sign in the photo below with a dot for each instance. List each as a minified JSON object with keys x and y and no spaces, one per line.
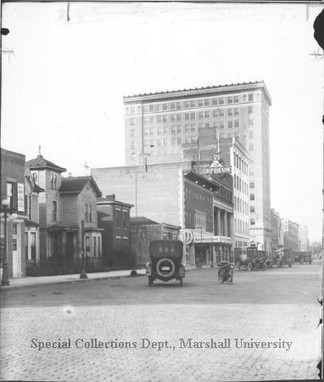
{"x":186,"y":236}
{"x":213,"y":239}
{"x":21,"y":197}
{"x":216,"y":167}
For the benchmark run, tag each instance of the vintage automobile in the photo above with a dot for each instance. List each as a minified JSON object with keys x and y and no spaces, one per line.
{"x":282,"y":256}
{"x":253,"y":259}
{"x":302,"y":257}
{"x":166,"y":261}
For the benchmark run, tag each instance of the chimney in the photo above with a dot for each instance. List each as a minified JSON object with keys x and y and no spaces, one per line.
{"x":111,"y":197}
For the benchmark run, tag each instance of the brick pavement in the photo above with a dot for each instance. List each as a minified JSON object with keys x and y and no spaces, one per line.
{"x":294,"y":322}
{"x":131,"y":323}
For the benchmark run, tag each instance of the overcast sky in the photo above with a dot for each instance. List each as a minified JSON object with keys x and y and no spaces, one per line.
{"x":64,"y":83}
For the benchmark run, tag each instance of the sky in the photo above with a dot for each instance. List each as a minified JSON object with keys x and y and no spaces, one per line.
{"x":63,"y":81}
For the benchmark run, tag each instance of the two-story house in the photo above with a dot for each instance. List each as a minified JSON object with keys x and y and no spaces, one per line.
{"x":67,"y":217}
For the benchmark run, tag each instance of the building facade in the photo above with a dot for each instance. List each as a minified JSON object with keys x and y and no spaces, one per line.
{"x":143,"y":231}
{"x":177,"y":194}
{"x":114,"y":219}
{"x":291,"y":238}
{"x":303,"y":238}
{"x":13,"y":191}
{"x":158,"y":126}
{"x":69,"y":231}
{"x":276,"y":230}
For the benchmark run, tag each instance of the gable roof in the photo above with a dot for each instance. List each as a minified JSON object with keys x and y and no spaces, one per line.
{"x":141,"y":220}
{"x":75,"y":184}
{"x":40,"y":163}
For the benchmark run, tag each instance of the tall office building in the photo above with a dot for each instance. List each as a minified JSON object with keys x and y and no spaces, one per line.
{"x":159,"y":126}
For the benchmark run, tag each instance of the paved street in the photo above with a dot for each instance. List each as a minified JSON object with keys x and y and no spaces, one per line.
{"x":120,"y":329}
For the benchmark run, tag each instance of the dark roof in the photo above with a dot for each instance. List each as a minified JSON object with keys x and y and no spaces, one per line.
{"x":141,"y":220}
{"x":40,"y":163}
{"x":75,"y":184}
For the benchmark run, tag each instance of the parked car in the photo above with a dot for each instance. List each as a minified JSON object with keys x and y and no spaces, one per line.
{"x":303,"y":257}
{"x":166,"y":261}
{"x":252,"y":260}
{"x":283,"y":256}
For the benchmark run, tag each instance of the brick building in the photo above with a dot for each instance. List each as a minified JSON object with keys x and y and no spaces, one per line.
{"x":143,"y":231}
{"x":158,"y":126}
{"x":19,"y":189}
{"x":177,"y":194}
{"x":113,"y":219}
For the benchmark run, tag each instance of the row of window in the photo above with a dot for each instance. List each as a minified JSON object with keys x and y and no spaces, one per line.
{"x":240,"y":185}
{"x":95,"y":251}
{"x":188,"y":116}
{"x":241,"y":205}
{"x":191,"y":104}
{"x":240,"y":164}
{"x":53,"y":176}
{"x":241,"y":227}
{"x":197,"y":196}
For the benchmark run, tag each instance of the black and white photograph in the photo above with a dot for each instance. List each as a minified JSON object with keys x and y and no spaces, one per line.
{"x":161,"y":191}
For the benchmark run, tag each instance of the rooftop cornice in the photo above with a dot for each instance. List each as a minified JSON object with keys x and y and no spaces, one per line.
{"x":198,"y":92}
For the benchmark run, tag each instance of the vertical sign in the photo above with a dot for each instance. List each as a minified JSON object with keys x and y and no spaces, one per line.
{"x":21,"y":197}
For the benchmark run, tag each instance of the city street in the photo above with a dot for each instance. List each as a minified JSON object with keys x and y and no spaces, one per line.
{"x":262,"y":327}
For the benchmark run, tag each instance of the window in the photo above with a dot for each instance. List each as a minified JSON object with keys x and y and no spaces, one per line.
{"x":207,"y":114}
{"x":159,"y":118}
{"x":236,"y":99}
{"x":230,"y":112}
{"x":95,"y":246}
{"x":151,"y":119}
{"x":200,"y":102}
{"x":178,"y":117}
{"x":192,"y":104}
{"x":251,"y":122}
{"x":251,"y":134}
{"x":206,"y":102}
{"x":86,"y":214}
{"x":179,"y":141}
{"x":53,"y":181}
{"x":215,"y":101}
{"x":252,"y":197}
{"x":221,"y":112}
{"x":165,"y":118}
{"x":165,"y":142}
{"x":118,"y":218}
{"x":221,"y":101}
{"x":35,"y":178}
{"x":187,"y":116}
{"x":90,"y":213}
{"x":178,"y":105}
{"x":186,"y":104}
{"x":54,"y":211}
{"x":132,"y":133}
{"x":187,"y":128}
{"x":250,"y":96}
{"x":172,"y":117}
{"x":252,"y":209}
{"x":99,"y":246}
{"x":215,"y":112}
{"x":165,"y":106}
{"x":173,"y":129}
{"x":221,"y":125}
{"x":236,"y":123}
{"x":201,"y":115}
{"x":172,"y":105}
{"x":133,"y":121}
{"x":151,"y":108}
{"x":174,"y":141}
{"x":250,"y":109}
{"x":192,"y":116}
{"x":229,"y":99}
{"x":179,"y":129}
{"x":160,"y":131}
{"x":251,"y":184}
{"x":230,"y":124}
{"x":132,"y":145}
{"x":12,"y":196}
{"x":251,"y":147}
{"x":236,"y":111}
{"x":146,"y":132}
{"x":252,"y":221}
{"x":193,"y":127}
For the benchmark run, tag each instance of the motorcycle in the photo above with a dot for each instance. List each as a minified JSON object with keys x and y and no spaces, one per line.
{"x":225,"y":273}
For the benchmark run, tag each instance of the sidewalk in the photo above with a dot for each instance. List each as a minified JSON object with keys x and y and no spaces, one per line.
{"x":59,"y":279}
{"x":32,"y":281}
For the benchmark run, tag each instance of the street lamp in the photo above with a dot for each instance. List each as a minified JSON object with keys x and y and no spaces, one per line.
{"x":5,"y":277}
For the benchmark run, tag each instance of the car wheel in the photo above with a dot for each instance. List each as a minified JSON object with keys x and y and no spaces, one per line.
{"x":249,"y":267}
{"x":167,"y":263}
